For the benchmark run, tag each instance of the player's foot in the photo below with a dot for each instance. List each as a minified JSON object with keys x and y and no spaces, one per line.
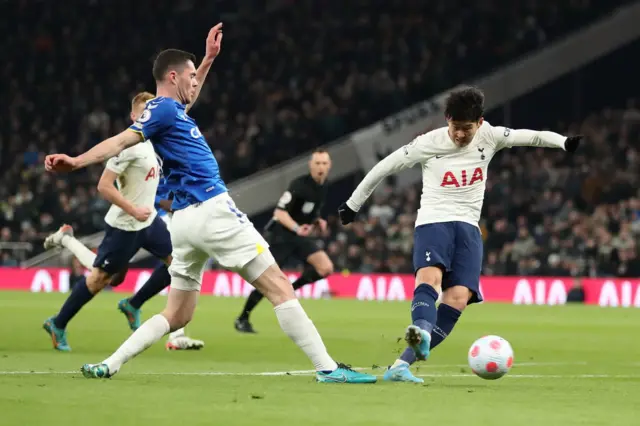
{"x":58,"y":335}
{"x":96,"y":371}
{"x":418,"y":340}
{"x":132,"y":314}
{"x":244,"y":326}
{"x":344,"y":374}
{"x":184,"y":343}
{"x":55,"y":240}
{"x":401,"y":373}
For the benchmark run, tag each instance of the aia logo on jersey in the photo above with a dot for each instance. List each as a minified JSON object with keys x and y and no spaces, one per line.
{"x":154,"y":173}
{"x":462,"y":179}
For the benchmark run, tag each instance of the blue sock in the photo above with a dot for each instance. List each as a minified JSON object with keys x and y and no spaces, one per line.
{"x":408,"y":356}
{"x":447,"y":319}
{"x":157,"y":282}
{"x":423,"y":307}
{"x":80,"y":296}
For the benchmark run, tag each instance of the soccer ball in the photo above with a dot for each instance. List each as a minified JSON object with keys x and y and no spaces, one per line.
{"x":490,"y":357}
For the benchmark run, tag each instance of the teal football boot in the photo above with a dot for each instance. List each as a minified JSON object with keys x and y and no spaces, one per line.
{"x":58,"y":335}
{"x":132,"y":314}
{"x":344,"y":374}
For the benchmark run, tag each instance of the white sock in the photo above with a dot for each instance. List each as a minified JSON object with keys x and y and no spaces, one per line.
{"x":176,"y":334}
{"x":297,"y":325}
{"x":79,"y":250}
{"x":150,"y":332}
{"x":398,"y":363}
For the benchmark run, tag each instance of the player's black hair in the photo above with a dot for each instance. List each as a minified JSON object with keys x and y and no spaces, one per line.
{"x":465,"y":104}
{"x":170,"y":60}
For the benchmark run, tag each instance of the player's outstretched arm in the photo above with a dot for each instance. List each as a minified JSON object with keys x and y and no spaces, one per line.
{"x":416,"y":152}
{"x":213,"y":47}
{"x":99,"y":153}
{"x":109,"y":192}
{"x":508,"y":138}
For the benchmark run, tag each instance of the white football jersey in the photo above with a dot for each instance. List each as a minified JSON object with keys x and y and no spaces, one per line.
{"x":453,"y":178}
{"x":138,"y":177}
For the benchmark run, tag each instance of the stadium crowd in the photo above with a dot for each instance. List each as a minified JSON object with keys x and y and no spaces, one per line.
{"x":293,"y":79}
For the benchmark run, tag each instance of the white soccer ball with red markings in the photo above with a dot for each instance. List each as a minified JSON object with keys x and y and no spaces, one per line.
{"x":490,"y":357}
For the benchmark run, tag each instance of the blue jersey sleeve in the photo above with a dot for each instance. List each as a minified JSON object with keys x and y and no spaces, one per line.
{"x":157,"y":118}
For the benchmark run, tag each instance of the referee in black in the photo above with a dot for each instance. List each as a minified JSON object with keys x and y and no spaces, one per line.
{"x":290,"y":231}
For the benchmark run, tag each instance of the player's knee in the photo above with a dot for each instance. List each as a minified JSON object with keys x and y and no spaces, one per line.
{"x":97,"y":280}
{"x":325,"y":269}
{"x":457,"y":297}
{"x":431,"y":275}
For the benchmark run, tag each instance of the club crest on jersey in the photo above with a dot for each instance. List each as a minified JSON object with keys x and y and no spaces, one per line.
{"x":195,"y":133}
{"x":481,"y":151}
{"x":462,"y":179}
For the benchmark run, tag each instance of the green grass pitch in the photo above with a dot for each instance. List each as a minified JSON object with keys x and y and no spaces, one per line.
{"x":575,"y":365}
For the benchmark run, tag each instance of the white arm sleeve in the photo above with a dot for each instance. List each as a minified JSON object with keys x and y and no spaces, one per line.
{"x":508,"y":138}
{"x":418,"y":151}
{"x":120,"y":162}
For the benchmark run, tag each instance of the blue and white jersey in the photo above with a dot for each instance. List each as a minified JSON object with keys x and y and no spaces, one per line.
{"x":190,"y":169}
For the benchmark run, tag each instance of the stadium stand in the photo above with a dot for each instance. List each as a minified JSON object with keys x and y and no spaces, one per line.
{"x":270,"y":99}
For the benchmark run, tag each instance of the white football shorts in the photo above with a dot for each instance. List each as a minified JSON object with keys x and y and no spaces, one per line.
{"x":212,"y":229}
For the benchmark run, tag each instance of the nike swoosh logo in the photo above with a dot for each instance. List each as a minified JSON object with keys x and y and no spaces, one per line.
{"x":341,"y":379}
{"x":439,"y":156}
{"x":152,"y":106}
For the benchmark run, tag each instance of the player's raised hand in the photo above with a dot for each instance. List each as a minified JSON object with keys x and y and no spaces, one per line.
{"x":572,"y":143}
{"x":59,"y":163}
{"x":346,"y":214}
{"x":214,"y":41}
{"x":141,"y":214}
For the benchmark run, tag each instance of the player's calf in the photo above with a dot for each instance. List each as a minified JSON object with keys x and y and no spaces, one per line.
{"x":454,"y":300}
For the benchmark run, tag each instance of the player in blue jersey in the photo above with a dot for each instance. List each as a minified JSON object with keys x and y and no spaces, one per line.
{"x":130,"y":225}
{"x":131,"y":307}
{"x":205,"y":224}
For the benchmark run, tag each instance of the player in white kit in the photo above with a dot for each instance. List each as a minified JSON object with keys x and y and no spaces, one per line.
{"x":205,"y":223}
{"x":447,"y":253}
{"x":129,"y":225}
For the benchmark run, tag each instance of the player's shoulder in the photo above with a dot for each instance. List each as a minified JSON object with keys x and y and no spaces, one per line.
{"x":160,"y":106}
{"x":490,"y":133}
{"x":435,"y":137}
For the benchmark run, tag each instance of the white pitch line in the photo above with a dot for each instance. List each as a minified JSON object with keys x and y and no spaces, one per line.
{"x":311,"y":372}
{"x":285,"y":373}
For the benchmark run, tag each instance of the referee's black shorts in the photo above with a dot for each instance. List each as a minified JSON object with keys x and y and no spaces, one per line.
{"x":284,"y":244}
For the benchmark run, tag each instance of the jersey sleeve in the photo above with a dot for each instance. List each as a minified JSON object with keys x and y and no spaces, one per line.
{"x":120,"y":162}
{"x":508,"y":138}
{"x":293,"y":192}
{"x":155,"y":120}
{"x":417,"y":151}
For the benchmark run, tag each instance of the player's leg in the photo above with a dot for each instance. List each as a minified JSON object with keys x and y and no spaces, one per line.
{"x":240,"y":247}
{"x":112,"y":257}
{"x":319,"y":265}
{"x":157,"y":241}
{"x":179,"y":310}
{"x":433,"y":245}
{"x":63,"y":237}
{"x":281,"y":249}
{"x":266,"y":276}
{"x":463,"y":284}
{"x":186,"y":270}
